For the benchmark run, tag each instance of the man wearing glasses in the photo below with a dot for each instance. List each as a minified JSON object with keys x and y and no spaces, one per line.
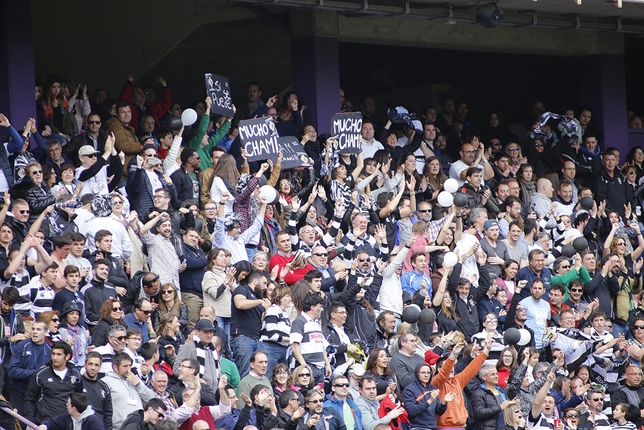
{"x":140,"y":318}
{"x":339,"y":400}
{"x":594,"y":418}
{"x":317,"y":417}
{"x":631,"y":393}
{"x":153,"y":411}
{"x":291,"y":409}
{"x":115,"y":344}
{"x":94,"y":169}
{"x":470,"y":157}
{"x":94,"y":136}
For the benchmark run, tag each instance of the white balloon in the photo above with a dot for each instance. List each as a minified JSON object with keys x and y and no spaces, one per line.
{"x":451,"y":185}
{"x":189,"y":116}
{"x":445,"y":199}
{"x":269,"y":192}
{"x":450,"y":259}
{"x":525,"y":337}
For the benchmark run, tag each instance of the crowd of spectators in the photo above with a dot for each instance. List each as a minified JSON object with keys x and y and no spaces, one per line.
{"x":147,"y":283}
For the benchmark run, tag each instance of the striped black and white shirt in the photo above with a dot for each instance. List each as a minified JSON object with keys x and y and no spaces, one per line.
{"x":307,"y":332}
{"x":276,"y":326}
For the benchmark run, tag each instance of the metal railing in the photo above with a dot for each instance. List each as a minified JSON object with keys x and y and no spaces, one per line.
{"x":19,"y":417}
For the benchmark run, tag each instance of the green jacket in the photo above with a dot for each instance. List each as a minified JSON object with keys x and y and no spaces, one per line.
{"x":229,"y":369}
{"x":565,"y":279}
{"x":204,"y":151}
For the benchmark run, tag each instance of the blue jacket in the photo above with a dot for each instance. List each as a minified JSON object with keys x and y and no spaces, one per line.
{"x":190,"y":278}
{"x":64,"y":421}
{"x":229,"y":421}
{"x":23,"y":363}
{"x":415,"y":397}
{"x":132,"y":322}
{"x":333,"y":403}
{"x":411,"y":282}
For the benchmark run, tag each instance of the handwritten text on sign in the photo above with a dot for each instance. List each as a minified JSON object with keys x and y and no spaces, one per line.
{"x":348,"y":128}
{"x":218,"y":88}
{"x":259,"y":138}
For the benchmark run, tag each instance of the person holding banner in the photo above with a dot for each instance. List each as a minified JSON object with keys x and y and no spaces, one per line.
{"x":284,"y":128}
{"x":204,"y":144}
{"x":341,"y":184}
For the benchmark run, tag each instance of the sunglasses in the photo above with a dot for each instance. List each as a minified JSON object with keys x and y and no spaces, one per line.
{"x":25,"y":211}
{"x":120,"y":338}
{"x":167,"y":292}
{"x":55,"y":320}
{"x":117,"y":309}
{"x":151,"y":155}
{"x":537,"y":145}
{"x":597,"y":400}
{"x":576,"y":290}
{"x":638,"y":327}
{"x":146,"y":312}
{"x":315,"y":401}
{"x":572,"y":416}
{"x":91,"y":155}
{"x":517,"y":411}
{"x":345,"y":385}
{"x":305,"y":375}
{"x":35,"y":172}
{"x":422,"y":211}
{"x":620,"y":244}
{"x":93,"y":122}
{"x":566,"y":267}
{"x":362,"y":260}
{"x":160,"y":414}
{"x":513,"y":149}
{"x":321,"y":254}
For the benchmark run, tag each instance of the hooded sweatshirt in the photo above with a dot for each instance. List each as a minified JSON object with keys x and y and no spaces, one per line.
{"x":416,"y":396}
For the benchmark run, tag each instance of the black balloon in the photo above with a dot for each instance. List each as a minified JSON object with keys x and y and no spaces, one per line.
{"x":568,"y":250}
{"x":580,"y":244}
{"x":173,"y":123}
{"x":512,"y":336}
{"x":586,"y":203}
{"x":460,"y":200}
{"x":411,"y":314}
{"x":427,"y":316}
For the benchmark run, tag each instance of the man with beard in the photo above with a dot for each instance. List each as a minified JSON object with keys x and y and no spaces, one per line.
{"x":96,"y":390}
{"x":538,"y":312}
{"x":496,"y":251}
{"x":248,"y":306}
{"x":317,"y":417}
{"x":200,"y":348}
{"x":164,"y":249}
{"x":511,"y":208}
{"x":97,"y":291}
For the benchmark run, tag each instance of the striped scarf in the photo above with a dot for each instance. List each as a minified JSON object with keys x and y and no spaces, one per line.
{"x":202,"y":350}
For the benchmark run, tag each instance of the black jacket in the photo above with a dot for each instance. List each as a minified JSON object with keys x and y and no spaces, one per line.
{"x":71,"y":149}
{"x":96,"y":293}
{"x":207,"y":395}
{"x":285,"y":421}
{"x":134,"y":421}
{"x":467,"y":310}
{"x":333,"y":338}
{"x":98,"y":393}
{"x":625,"y":395}
{"x":116,"y":275}
{"x":184,"y":185}
{"x":486,"y":408}
{"x":47,"y":394}
{"x":37,"y":197}
{"x":99,"y":334}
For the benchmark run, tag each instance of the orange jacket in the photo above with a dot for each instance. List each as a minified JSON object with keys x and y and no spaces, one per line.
{"x":456,"y":413}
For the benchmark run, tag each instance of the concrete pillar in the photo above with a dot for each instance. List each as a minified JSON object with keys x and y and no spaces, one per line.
{"x":17,"y":75}
{"x":315,"y":64}
{"x":602,"y":81}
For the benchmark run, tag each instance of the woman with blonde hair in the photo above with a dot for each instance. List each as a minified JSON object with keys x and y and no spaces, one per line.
{"x":224,"y":181}
{"x":53,"y":323}
{"x":130,"y":221}
{"x":170,"y":337}
{"x":513,"y":417}
{"x":32,"y":188}
{"x":303,"y":379}
{"x":169,"y":302}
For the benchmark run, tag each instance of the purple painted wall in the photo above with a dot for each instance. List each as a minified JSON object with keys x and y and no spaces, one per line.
{"x":316,"y":78}
{"x":17,"y":75}
{"x":602,"y":81}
